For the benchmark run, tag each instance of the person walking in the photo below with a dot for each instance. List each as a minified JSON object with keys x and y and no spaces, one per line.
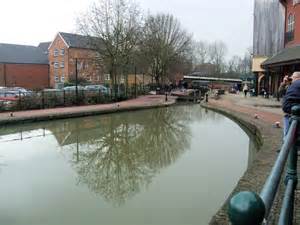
{"x":245,"y":90}
{"x":290,"y":99}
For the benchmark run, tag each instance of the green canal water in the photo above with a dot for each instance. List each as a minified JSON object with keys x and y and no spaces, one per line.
{"x":168,"y":166}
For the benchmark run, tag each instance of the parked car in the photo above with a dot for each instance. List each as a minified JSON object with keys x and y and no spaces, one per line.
{"x":73,"y":88}
{"x":98,"y":87}
{"x":14,"y":91}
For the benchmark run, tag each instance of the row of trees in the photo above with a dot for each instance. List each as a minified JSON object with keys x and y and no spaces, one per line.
{"x":214,"y":54}
{"x":128,"y":41}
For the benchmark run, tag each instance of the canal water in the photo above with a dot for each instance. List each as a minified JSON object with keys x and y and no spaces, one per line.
{"x":167,"y":166}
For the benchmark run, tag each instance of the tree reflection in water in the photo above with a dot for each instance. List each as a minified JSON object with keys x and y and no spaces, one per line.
{"x":129,"y":149}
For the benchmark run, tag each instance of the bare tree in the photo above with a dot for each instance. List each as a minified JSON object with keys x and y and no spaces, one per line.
{"x":200,"y":52}
{"x":113,"y":27}
{"x":241,"y":65}
{"x":164,"y":41}
{"x":217,"y":53}
{"x":234,"y":64}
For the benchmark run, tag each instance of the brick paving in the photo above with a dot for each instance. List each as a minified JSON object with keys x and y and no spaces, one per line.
{"x":142,"y":102}
{"x":269,"y":112}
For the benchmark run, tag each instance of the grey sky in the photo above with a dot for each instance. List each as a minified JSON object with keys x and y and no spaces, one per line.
{"x":34,"y":21}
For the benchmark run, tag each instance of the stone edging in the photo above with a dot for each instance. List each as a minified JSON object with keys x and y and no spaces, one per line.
{"x":67,"y":115}
{"x":269,"y":139}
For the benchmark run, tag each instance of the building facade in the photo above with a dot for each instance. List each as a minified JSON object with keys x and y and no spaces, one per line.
{"x":287,"y":59}
{"x":268,"y":38}
{"x":292,"y":22}
{"x":72,"y":58}
{"x":23,"y":66}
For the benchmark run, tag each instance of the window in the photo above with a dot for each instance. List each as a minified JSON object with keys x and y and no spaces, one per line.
{"x":55,"y":52}
{"x":107,"y":76}
{"x":62,"y":64}
{"x":56,"y":78}
{"x":296,"y":2}
{"x":85,"y":65}
{"x":291,"y":23}
{"x":79,"y":65}
{"x":62,"y":51}
{"x":62,"y":78}
{"x":56,"y":65}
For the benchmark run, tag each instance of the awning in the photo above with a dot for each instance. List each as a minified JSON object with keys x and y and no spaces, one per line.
{"x":287,"y":56}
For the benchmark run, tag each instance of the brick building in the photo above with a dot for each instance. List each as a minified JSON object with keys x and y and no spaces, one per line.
{"x":23,"y":66}
{"x":65,"y":50}
{"x":286,"y":61}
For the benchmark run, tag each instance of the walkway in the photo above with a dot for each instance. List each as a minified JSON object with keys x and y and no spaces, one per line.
{"x":142,"y":102}
{"x":262,"y":113}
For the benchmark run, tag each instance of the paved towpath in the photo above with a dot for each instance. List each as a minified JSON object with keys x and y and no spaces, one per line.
{"x":269,"y":111}
{"x":142,"y":102}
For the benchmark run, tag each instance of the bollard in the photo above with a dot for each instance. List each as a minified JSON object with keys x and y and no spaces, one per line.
{"x":246,"y":208}
{"x":206,"y":97}
{"x":166,"y":93}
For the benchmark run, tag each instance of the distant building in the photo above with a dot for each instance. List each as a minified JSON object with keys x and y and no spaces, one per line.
{"x":139,"y":79}
{"x":268,"y":37}
{"x":279,"y":54}
{"x":205,"y":69}
{"x":67,"y":49}
{"x":23,"y":66}
{"x":287,"y":60}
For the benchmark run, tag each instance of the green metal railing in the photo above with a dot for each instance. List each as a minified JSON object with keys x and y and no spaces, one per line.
{"x":249,"y":208}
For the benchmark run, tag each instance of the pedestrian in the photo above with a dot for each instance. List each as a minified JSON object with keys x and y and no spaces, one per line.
{"x":245,"y":90}
{"x":290,"y":99}
{"x":284,"y":85}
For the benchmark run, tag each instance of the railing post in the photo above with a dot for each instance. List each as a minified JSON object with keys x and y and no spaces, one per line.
{"x":246,"y":208}
{"x":43,"y":99}
{"x":20,"y":100}
{"x":64,"y":96}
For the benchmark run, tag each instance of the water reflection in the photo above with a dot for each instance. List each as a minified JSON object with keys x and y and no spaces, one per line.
{"x":120,"y":154}
{"x":117,"y":156}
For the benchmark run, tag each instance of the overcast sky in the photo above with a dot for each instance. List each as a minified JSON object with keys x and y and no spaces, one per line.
{"x":33,"y":21}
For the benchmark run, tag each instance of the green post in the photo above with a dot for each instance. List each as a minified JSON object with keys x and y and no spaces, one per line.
{"x":246,"y":208}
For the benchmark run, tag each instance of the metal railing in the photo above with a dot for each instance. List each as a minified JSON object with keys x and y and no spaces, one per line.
{"x":249,"y":208}
{"x":17,"y":100}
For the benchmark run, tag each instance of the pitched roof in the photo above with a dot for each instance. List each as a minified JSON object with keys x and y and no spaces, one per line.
{"x":23,"y":54}
{"x":285,"y":56}
{"x":76,"y":40}
{"x":44,"y":45}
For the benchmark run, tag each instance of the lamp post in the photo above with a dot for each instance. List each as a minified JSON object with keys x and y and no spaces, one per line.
{"x":135,"y":91}
{"x":76,"y":80}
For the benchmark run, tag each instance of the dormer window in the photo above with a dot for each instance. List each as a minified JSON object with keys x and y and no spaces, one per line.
{"x":55,"y":53}
{"x":291,"y":23}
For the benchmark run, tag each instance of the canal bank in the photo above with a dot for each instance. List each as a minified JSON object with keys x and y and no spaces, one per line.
{"x":259,"y":120}
{"x":142,"y":102}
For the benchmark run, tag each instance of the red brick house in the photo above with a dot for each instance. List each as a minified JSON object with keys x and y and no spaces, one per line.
{"x":23,"y":66}
{"x":65,"y":50}
{"x":287,"y":60}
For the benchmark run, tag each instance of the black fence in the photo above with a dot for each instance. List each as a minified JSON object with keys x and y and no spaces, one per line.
{"x":18,"y":100}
